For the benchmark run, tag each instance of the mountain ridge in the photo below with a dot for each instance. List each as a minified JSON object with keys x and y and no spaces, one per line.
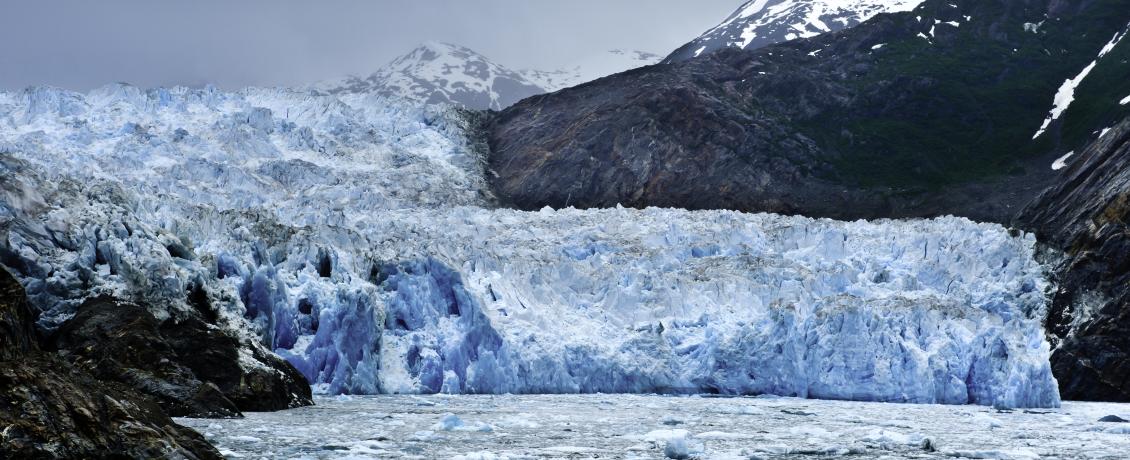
{"x":760,"y":23}
{"x":443,"y":73}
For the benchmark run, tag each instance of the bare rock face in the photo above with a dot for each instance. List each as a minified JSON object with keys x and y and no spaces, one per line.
{"x":1087,"y":214}
{"x":50,"y":409}
{"x":17,"y":323}
{"x":188,"y":366}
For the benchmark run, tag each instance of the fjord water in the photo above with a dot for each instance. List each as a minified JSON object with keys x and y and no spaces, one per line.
{"x":655,"y":427}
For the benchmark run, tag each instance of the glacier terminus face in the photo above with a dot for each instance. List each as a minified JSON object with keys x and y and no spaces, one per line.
{"x":356,"y":236}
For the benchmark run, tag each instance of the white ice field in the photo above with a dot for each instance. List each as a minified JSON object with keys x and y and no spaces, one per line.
{"x":357,"y":238}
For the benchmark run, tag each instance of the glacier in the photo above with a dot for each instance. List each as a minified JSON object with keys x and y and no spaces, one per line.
{"x":357,"y":237}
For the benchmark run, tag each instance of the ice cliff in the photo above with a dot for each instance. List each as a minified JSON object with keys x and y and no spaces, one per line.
{"x":355,"y":237}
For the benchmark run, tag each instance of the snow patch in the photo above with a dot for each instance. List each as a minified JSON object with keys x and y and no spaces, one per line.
{"x":1066,"y":94}
{"x":1061,"y":162}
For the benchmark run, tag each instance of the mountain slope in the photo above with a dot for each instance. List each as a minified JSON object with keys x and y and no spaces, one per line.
{"x":908,"y":114}
{"x":760,"y":23}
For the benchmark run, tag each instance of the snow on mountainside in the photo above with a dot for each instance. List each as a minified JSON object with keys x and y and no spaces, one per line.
{"x":354,"y":236}
{"x":1066,"y":94}
{"x":760,"y":23}
{"x":441,"y":73}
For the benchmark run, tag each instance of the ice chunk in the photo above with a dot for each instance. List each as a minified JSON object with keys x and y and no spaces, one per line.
{"x":449,"y":422}
{"x":988,"y":421}
{"x":677,"y":448}
{"x":662,"y":436}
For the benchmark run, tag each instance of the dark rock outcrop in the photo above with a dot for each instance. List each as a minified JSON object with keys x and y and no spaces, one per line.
{"x":17,"y":322}
{"x":49,"y":409}
{"x":190,"y":367}
{"x":1087,"y":214}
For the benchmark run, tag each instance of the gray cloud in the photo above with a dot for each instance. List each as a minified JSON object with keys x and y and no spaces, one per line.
{"x":81,"y":44}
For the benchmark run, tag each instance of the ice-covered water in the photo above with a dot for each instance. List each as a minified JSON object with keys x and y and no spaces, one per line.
{"x":355,"y":237}
{"x":649,"y":427}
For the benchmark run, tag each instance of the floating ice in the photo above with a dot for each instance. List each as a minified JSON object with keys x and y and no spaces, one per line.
{"x":611,"y":426}
{"x":680,"y":448}
{"x":448,"y":422}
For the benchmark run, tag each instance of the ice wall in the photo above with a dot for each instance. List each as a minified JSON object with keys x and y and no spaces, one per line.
{"x":944,"y":311}
{"x":353,"y":237}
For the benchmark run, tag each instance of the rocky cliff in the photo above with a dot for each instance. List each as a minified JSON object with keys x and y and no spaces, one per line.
{"x":50,"y":409}
{"x":1086,"y":214}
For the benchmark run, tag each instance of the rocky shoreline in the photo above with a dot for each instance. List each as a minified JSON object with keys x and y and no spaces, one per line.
{"x":109,"y":379}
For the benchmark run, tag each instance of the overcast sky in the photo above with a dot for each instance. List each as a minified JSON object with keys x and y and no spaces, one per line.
{"x":81,"y":44}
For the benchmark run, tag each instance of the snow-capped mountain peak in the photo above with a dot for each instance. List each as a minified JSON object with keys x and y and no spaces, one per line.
{"x":442,"y":73}
{"x":759,"y":23}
